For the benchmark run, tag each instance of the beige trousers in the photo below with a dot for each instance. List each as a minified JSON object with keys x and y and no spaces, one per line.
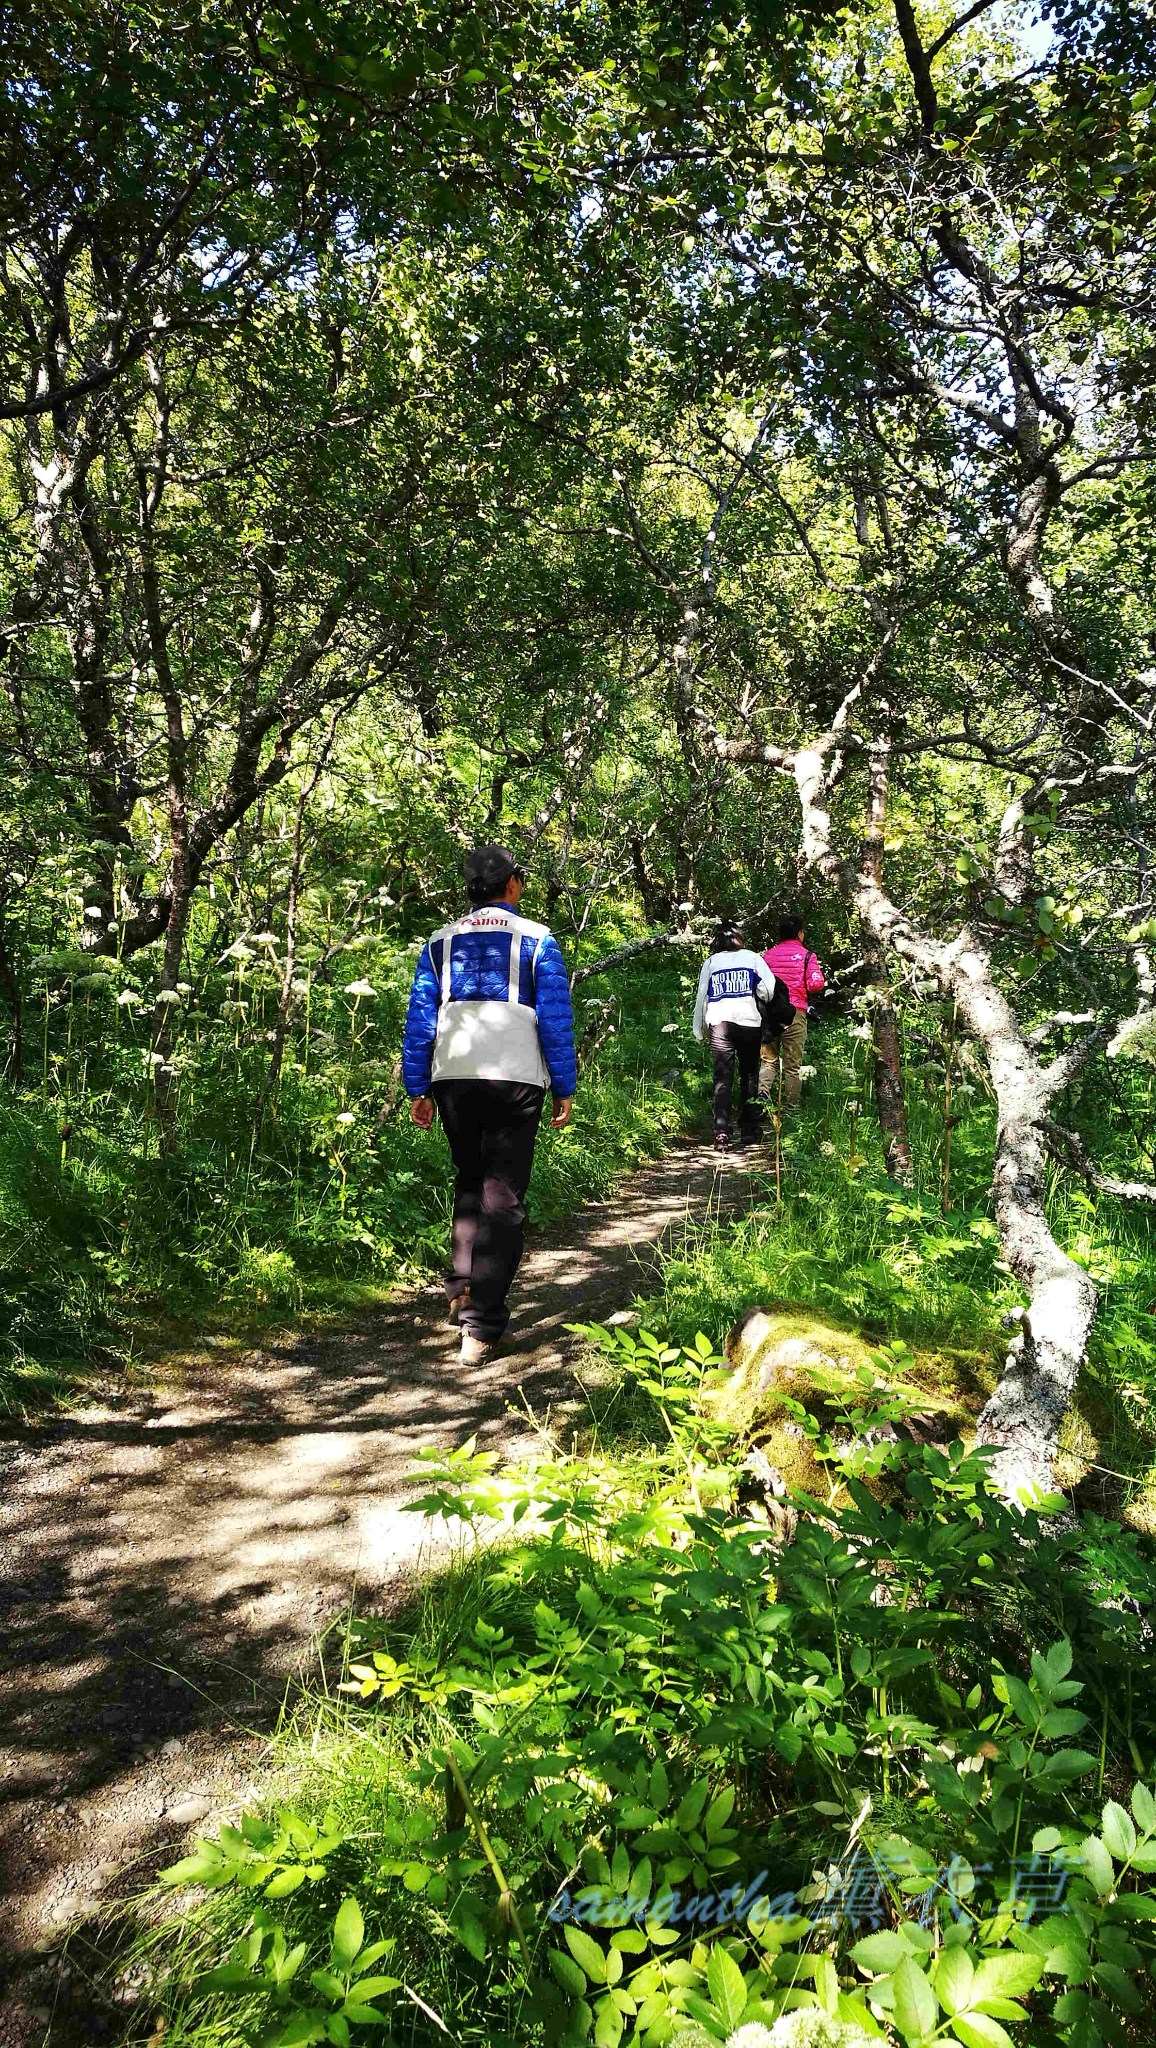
{"x":790,"y":1048}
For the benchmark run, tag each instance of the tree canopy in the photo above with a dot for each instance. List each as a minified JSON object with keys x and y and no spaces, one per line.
{"x":708,"y":446}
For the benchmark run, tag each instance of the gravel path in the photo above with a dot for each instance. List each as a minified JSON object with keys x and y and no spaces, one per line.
{"x":171,"y":1555}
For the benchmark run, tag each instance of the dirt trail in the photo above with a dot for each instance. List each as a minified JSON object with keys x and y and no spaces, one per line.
{"x":170,"y":1556}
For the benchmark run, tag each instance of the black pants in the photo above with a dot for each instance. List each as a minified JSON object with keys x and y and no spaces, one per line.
{"x":491,"y":1127}
{"x":728,"y":1043}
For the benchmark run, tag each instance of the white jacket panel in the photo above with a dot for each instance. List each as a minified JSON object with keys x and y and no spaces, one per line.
{"x":726,"y":990}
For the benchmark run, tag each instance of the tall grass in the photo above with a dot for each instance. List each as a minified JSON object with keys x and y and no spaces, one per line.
{"x":339,"y":1200}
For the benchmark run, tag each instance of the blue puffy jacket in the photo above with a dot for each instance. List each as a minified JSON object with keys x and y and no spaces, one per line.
{"x":490,"y":1002}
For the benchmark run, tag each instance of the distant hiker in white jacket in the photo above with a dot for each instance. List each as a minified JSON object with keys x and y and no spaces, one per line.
{"x":728,"y":1015}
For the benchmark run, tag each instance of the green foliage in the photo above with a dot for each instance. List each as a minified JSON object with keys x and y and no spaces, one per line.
{"x":347,"y":1983}
{"x":97,"y":1230}
{"x":647,"y":1694}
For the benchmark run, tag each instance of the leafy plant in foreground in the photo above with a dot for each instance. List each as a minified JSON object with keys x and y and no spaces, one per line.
{"x":702,"y":1775}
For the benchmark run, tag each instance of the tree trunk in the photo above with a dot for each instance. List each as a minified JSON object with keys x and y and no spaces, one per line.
{"x":890,"y":1095}
{"x":10,"y":983}
{"x":1035,"y":1390}
{"x":168,"y":1002}
{"x":285,"y":1001}
{"x":1024,"y":1414}
{"x":184,"y":871}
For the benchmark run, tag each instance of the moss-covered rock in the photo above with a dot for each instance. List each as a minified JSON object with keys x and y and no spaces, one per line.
{"x":777,"y":1357}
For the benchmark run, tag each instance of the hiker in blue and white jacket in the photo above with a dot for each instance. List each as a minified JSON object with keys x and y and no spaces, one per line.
{"x":737,"y":992}
{"x":490,"y":1024}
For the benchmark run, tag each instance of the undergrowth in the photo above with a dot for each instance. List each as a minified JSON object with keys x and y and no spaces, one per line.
{"x":102,"y":1240}
{"x":670,"y":1757}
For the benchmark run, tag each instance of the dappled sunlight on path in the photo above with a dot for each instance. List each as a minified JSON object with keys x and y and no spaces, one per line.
{"x":171,"y":1556}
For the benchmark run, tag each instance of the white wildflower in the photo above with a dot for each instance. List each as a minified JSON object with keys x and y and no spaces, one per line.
{"x":668,"y":1028}
{"x":264,"y":938}
{"x":93,"y":910}
{"x":167,"y":995}
{"x":360,"y":988}
{"x":127,"y":996}
{"x":238,"y":951}
{"x":861,"y":1031}
{"x":807,"y":1073}
{"x":827,"y":1148}
{"x":154,"y":1059}
{"x":346,"y":1117}
{"x":808,"y":2028}
{"x":184,"y":988}
{"x":299,"y":988}
{"x":853,"y":1108}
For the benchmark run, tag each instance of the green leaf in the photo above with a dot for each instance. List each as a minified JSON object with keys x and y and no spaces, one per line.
{"x":916,"y":2006}
{"x":201,"y":1867}
{"x":586,"y":1953}
{"x":827,"y":1984}
{"x":690,"y":1806}
{"x":566,"y":1970}
{"x":229,"y":1977}
{"x":348,"y":1932}
{"x":718,"y":1813}
{"x":979,"y":2030}
{"x":329,"y":1985}
{"x":1022,"y":1700}
{"x":954,"y":1978}
{"x":470,"y":1933}
{"x":1066,"y":1764}
{"x":1118,"y":1832}
{"x":1135,"y":1906}
{"x":881,"y":1952}
{"x":609,"y":2024}
{"x":1064,"y":1948}
{"x":375,"y":1987}
{"x":285,"y":1881}
{"x":1006,"y":1976}
{"x":1061,"y":1721}
{"x":1119,"y":1986}
{"x":1097,"y":1865}
{"x":789,"y":1742}
{"x":1144,"y":1808}
{"x":726,"y":1985}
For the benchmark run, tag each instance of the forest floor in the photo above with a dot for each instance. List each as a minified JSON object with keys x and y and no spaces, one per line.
{"x":172,"y":1555}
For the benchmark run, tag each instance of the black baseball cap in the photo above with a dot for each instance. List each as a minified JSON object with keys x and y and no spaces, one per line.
{"x":488,"y":869}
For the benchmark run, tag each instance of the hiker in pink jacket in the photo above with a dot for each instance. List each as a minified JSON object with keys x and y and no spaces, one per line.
{"x":791,"y":961}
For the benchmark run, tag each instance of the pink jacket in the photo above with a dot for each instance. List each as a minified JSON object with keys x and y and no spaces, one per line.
{"x":795,"y":964}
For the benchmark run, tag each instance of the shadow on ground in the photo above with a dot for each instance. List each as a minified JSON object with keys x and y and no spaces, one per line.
{"x":171,"y":1558}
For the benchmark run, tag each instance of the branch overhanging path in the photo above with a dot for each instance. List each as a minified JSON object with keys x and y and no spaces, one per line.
{"x":171,"y":1554}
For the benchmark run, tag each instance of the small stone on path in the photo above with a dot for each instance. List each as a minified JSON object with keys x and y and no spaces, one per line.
{"x":189,"y":1810}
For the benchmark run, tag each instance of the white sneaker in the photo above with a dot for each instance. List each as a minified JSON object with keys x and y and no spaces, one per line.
{"x":475,"y":1350}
